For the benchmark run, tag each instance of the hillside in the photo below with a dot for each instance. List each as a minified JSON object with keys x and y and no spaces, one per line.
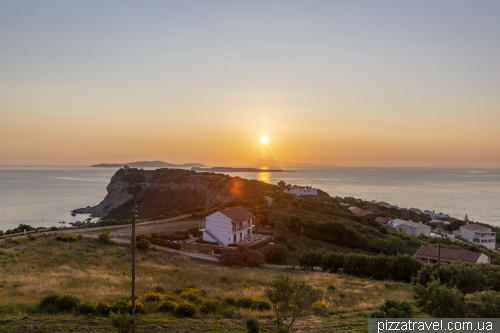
{"x":165,"y":192}
{"x":161,"y":191}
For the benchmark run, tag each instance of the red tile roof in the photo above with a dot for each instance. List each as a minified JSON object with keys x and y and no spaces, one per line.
{"x":238,"y":214}
{"x":430,"y":252}
{"x":440,"y":224}
{"x":383,"y":220}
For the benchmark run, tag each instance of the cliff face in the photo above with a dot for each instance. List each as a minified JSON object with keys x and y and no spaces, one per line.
{"x":164,"y":190}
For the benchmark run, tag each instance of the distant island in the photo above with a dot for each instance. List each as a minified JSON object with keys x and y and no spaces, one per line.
{"x":224,"y":169}
{"x":148,"y":164}
{"x":286,"y":164}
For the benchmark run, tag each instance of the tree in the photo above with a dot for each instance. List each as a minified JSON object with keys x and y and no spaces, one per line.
{"x":275,"y":254}
{"x":310,"y":259}
{"x":332,"y":261}
{"x":439,"y":301}
{"x":416,"y":218}
{"x":483,"y":305}
{"x":276,"y":216}
{"x":290,"y":298}
{"x":242,"y":256}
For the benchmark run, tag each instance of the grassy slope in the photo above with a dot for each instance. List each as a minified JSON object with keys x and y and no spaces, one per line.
{"x":95,"y":272}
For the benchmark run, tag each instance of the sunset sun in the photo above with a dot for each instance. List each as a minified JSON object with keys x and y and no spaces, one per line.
{"x":263,"y":139}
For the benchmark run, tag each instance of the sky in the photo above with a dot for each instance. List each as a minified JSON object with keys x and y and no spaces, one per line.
{"x":353,"y":83}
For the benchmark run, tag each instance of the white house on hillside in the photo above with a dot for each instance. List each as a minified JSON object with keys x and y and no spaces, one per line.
{"x":415,"y":229}
{"x":301,"y":191}
{"x":479,"y":235}
{"x":435,"y":215}
{"x":396,"y":224}
{"x":229,"y":226}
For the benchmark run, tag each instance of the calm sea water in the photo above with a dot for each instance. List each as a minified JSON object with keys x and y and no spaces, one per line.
{"x":30,"y":194}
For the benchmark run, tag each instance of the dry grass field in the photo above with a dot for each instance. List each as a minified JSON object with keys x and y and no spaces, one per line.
{"x":96,"y":272}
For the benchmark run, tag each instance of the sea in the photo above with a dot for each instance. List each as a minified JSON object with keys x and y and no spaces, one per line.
{"x":46,"y":195}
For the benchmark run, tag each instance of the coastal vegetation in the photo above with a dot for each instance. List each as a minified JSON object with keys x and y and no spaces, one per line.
{"x":98,"y":275}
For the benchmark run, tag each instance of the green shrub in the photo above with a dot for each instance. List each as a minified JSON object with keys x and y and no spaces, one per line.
{"x":143,"y":244}
{"x":169,"y":297}
{"x":49,"y":299}
{"x":224,"y":279}
{"x":230,"y":300}
{"x":319,"y":308}
{"x":15,"y":240}
{"x":103,"y":308}
{"x":86,"y":308}
{"x":193,"y":294}
{"x":71,"y":238}
{"x":123,"y":322}
{"x":253,"y":325}
{"x":209,"y":306}
{"x":159,"y":289}
{"x":153,"y":297}
{"x":104,"y":237}
{"x":67,"y":238}
{"x":331,"y":287}
{"x":120,"y":306}
{"x":261,"y":304}
{"x":31,"y":238}
{"x":244,"y":302}
{"x":393,"y":308}
{"x":167,"y":305}
{"x":229,"y":312}
{"x":139,"y":307}
{"x":66,"y":302}
{"x":185,"y":309}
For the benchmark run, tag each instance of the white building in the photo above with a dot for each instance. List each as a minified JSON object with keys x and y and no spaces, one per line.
{"x":479,"y":235}
{"x":229,"y":226}
{"x":299,"y":191}
{"x":435,"y":215}
{"x":415,"y":229}
{"x":396,"y":224}
{"x":415,"y":210}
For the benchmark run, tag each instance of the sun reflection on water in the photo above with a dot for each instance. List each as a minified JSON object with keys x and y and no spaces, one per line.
{"x":264,"y":177}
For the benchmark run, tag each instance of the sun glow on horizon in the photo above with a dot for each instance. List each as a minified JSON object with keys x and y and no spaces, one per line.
{"x":264,"y":139}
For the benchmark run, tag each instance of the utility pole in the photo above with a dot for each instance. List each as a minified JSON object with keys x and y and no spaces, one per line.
{"x":439,"y":256}
{"x":133,"y":258}
{"x":301,"y":231}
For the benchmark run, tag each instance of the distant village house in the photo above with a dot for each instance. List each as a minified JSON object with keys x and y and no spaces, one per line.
{"x":429,"y":255}
{"x":359,"y":212}
{"x":479,"y":235}
{"x":435,"y":215}
{"x":302,"y":191}
{"x":415,"y":229}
